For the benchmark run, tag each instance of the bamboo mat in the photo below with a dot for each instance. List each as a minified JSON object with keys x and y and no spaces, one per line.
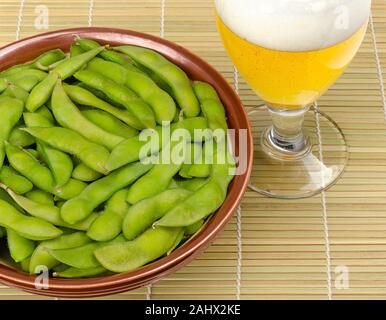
{"x":272,"y":249}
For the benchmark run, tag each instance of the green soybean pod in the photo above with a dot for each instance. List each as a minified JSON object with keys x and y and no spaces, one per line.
{"x":83,"y":257}
{"x":211,"y":105}
{"x":42,"y":257}
{"x":194,"y":228}
{"x":13,"y":180}
{"x":144,"y":213}
{"x":36,"y":120}
{"x":29,"y":167}
{"x":45,"y":112}
{"x":109,"y":123}
{"x":20,"y":138}
{"x":27,"y":83}
{"x":49,"y":212}
{"x":33,"y":152}
{"x":75,"y":50}
{"x":121,"y":95}
{"x":101,"y":190}
{"x":88,"y":44}
{"x":203,"y":201}
{"x":191,"y":184}
{"x":130,"y":150}
{"x":59,"y":162}
{"x":109,"y":224}
{"x":174,"y":76}
{"x":3,"y":84}
{"x":28,"y":227}
{"x":195,"y":165}
{"x":24,"y":265}
{"x":40,"y":196}
{"x":93,"y":155}
{"x":41,"y":92}
{"x":83,"y":173}
{"x":161,"y":102}
{"x":130,"y":255}
{"x":11,"y":111}
{"x":199,"y":169}
{"x":43,"y":61}
{"x":18,"y":76}
{"x":69,"y":116}
{"x":20,"y":248}
{"x":72,"y":272}
{"x":16,"y":92}
{"x":84,"y":97}
{"x":39,"y":175}
{"x":157,"y":179}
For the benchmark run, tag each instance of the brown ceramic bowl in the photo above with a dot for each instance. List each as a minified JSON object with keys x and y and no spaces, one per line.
{"x":197,"y":69}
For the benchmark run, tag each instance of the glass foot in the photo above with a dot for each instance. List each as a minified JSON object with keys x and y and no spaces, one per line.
{"x":289,"y":175}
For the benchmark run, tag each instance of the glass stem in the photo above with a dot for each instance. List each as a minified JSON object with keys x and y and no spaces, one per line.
{"x":285,"y":137}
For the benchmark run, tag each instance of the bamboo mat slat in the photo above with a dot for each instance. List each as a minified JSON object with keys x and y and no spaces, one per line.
{"x":286,"y":248}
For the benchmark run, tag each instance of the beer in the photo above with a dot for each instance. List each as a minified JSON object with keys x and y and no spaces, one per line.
{"x":290,"y":54}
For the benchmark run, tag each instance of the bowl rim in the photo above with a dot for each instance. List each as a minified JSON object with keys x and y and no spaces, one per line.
{"x":198,"y":243}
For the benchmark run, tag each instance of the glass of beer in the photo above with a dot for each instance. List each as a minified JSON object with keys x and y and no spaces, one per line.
{"x":290,"y":52}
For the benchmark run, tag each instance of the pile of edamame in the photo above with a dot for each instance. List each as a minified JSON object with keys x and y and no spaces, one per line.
{"x":76,"y":197}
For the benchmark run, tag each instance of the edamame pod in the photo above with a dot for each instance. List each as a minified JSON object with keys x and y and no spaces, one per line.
{"x":174,"y":76}
{"x":84,"y":97}
{"x":69,"y":141}
{"x":43,"y":61}
{"x":211,"y":105}
{"x":40,"y":196}
{"x":194,"y":228}
{"x":163,"y":105}
{"x":20,"y":138}
{"x":18,"y":77}
{"x":36,"y":120}
{"x":109,"y":224}
{"x":42,"y":92}
{"x":130,"y":255}
{"x":28,"y":227}
{"x":69,"y":116}
{"x":20,"y":248}
{"x":13,"y":180}
{"x":109,"y":123}
{"x":59,"y":162}
{"x":42,"y":257}
{"x":129,"y":150}
{"x":45,"y":112}
{"x":49,"y":212}
{"x":191,"y":184}
{"x":24,"y":265}
{"x":101,"y":190}
{"x":79,"y":273}
{"x":76,"y":50}
{"x":83,"y":173}
{"x":152,"y":183}
{"x":120,"y":94}
{"x":87,"y":44}
{"x":144,"y":213}
{"x":11,"y":111}
{"x":16,"y":92}
{"x":40,"y":175}
{"x":82,"y":257}
{"x":205,"y":200}
{"x":3,"y":84}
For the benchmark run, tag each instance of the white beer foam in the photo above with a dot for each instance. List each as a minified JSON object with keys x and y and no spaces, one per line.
{"x":294,"y":25}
